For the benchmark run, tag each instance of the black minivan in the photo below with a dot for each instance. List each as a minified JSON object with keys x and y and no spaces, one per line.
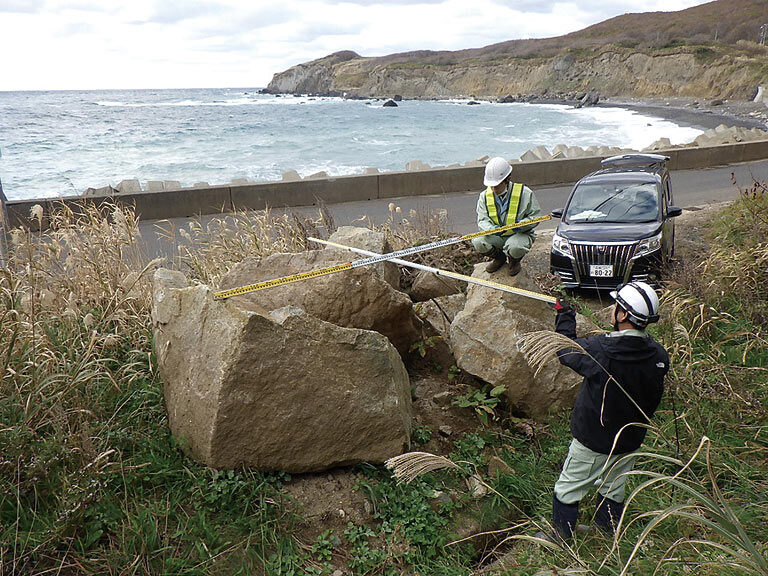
{"x":617,"y":225}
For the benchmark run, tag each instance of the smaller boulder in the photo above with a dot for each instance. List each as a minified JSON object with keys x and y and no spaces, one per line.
{"x":390,"y":104}
{"x":542,"y":153}
{"x":428,"y":285}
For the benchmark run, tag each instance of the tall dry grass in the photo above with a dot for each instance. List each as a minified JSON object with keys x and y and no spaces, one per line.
{"x":74,"y":325}
{"x":209,"y":248}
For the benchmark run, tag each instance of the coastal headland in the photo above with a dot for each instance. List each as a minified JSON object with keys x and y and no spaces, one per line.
{"x":708,"y":54}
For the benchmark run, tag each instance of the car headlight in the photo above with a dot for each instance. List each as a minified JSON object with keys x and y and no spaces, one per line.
{"x":561,"y":245}
{"x":648,"y":245}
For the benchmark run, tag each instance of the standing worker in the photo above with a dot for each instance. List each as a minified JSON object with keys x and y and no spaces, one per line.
{"x":623,"y":382}
{"x":505,"y":202}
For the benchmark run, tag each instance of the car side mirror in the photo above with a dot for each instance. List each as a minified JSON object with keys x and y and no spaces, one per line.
{"x":556,"y":213}
{"x":674,"y":211}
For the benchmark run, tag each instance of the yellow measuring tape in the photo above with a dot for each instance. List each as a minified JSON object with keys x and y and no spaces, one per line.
{"x":505,"y":228}
{"x":280,"y":281}
{"x":499,"y":286}
{"x":392,"y":256}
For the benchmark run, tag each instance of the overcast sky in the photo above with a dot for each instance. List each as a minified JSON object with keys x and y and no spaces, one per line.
{"x":90,"y":44}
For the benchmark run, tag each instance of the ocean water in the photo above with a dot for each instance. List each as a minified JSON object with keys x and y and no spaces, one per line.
{"x":60,"y":143}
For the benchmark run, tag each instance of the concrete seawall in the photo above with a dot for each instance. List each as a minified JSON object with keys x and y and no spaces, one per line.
{"x":189,"y":202}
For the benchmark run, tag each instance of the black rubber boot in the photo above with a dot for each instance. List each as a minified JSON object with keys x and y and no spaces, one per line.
{"x":498,"y":261}
{"x":514,"y":266}
{"x":564,"y":517}
{"x":608,"y":514}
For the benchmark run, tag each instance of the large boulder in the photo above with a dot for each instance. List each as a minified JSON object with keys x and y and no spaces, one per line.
{"x":356,"y":298}
{"x":280,"y":390}
{"x":484,"y":338}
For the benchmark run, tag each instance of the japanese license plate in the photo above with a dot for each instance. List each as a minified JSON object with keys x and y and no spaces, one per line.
{"x":601,"y":270}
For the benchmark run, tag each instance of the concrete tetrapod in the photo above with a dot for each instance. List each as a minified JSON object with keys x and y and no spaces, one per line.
{"x":281,"y":390}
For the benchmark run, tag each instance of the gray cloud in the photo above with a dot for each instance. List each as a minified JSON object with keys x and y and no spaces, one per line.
{"x":236,"y":22}
{"x":311,"y":31}
{"x":174,"y":11}
{"x":534,"y":6}
{"x":22,"y":6}
{"x":384,"y":2}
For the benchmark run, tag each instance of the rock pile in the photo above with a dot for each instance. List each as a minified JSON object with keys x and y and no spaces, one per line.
{"x":561,"y":151}
{"x":307,"y":376}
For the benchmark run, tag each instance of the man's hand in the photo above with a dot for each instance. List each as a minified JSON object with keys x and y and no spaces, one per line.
{"x":562,"y":306}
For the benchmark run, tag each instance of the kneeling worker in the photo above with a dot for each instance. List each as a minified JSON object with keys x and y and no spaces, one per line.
{"x":505,"y":202}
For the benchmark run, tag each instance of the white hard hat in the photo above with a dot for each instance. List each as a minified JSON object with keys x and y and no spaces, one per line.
{"x":496,"y":170}
{"x":639,"y":300}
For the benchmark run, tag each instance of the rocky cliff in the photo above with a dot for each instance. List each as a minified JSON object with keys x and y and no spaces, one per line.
{"x":612,"y":71}
{"x":651,"y":54}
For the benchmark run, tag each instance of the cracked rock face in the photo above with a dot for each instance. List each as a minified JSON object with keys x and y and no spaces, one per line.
{"x":484,"y":340}
{"x":278,"y":389}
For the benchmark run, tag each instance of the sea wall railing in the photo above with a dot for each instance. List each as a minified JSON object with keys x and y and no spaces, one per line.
{"x":195,"y":201}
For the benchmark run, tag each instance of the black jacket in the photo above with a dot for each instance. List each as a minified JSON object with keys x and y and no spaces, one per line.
{"x":638,"y":364}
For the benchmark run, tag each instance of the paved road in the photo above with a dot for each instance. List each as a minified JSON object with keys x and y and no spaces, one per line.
{"x":690,"y":188}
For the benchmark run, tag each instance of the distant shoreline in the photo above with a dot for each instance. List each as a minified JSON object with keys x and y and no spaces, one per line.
{"x":682,"y":112}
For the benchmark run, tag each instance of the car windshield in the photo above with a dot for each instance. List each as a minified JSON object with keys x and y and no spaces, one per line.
{"x":614,"y":202}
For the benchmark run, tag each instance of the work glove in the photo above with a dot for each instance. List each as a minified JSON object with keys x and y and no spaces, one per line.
{"x":562,"y":306}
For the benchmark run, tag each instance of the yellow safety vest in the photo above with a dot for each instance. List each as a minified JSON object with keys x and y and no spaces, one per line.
{"x":514,"y":203}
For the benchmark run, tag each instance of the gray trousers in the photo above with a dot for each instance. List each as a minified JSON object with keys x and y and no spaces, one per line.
{"x":584,"y":469}
{"x":515,"y":246}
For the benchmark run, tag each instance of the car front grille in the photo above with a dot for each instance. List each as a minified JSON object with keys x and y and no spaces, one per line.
{"x":618,"y":255}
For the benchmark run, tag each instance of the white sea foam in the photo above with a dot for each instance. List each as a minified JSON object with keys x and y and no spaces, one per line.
{"x":637,"y":130}
{"x":244,"y":101}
